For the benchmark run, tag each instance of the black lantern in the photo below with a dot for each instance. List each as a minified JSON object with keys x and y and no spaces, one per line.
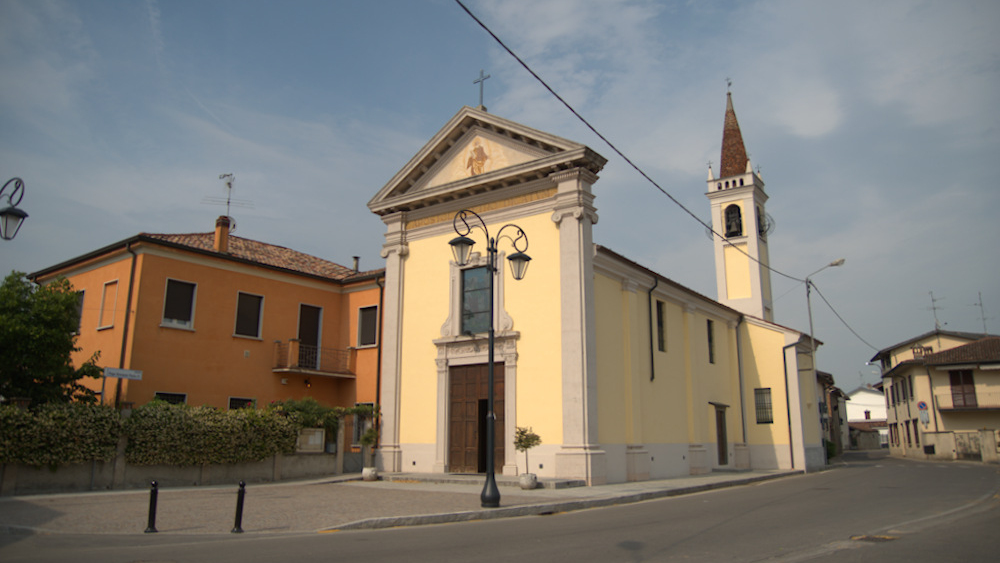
{"x":11,"y":217}
{"x":461,"y":249}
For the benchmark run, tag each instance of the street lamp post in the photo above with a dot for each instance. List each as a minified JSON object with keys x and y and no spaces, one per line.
{"x":461,"y":247}
{"x":812,"y":339}
{"x":11,"y":217}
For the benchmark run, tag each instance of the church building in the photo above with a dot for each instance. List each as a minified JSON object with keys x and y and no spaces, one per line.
{"x":624,"y":374}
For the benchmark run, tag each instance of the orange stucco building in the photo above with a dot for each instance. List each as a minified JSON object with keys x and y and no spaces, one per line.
{"x":215,"y":319}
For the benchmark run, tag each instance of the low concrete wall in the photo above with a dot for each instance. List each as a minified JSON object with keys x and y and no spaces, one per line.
{"x":974,"y":445}
{"x":24,"y":479}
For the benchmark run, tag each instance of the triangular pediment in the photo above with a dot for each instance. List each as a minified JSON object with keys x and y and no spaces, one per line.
{"x":476,"y":149}
{"x":479,"y":151}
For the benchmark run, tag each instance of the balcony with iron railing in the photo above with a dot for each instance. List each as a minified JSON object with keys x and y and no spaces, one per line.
{"x":294,"y":357}
{"x":959,"y":402}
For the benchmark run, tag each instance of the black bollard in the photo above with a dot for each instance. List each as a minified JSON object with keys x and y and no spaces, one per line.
{"x":238,"y":528}
{"x":151,"y":523}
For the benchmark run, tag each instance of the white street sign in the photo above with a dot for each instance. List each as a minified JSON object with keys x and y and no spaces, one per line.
{"x":134,"y":374}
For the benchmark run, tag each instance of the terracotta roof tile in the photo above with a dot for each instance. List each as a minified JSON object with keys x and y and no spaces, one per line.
{"x":263,"y":253}
{"x":984,"y":350}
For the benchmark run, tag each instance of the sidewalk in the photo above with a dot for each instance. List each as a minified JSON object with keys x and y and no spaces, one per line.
{"x":330,"y":504}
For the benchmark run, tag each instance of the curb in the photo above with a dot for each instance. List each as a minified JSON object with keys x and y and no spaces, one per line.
{"x":545,"y":508}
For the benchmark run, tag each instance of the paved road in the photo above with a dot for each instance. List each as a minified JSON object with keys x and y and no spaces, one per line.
{"x":798,"y":518}
{"x":342,"y":503}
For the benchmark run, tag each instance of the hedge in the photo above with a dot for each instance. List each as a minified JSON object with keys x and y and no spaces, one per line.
{"x":160,"y":433}
{"x":58,"y":434}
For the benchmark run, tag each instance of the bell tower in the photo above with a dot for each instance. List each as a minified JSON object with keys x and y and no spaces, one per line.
{"x":741,"y":225}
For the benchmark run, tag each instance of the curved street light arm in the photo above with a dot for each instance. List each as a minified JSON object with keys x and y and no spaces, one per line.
{"x":463,"y":216}
{"x":519,"y":236}
{"x":18,"y":191}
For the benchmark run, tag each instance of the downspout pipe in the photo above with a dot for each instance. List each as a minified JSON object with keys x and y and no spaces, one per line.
{"x":930,"y":381}
{"x":125,"y":326}
{"x":739,"y":371}
{"x":652,"y":350}
{"x":380,"y":282}
{"x":788,"y":403}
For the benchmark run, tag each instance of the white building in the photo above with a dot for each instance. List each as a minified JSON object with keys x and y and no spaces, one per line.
{"x":866,"y":412}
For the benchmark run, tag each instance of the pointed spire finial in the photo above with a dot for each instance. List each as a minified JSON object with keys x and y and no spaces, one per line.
{"x":734,"y":154}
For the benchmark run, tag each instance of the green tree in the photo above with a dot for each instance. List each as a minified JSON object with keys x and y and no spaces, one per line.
{"x":38,"y":325}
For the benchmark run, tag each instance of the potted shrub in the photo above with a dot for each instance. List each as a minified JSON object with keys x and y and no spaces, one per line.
{"x":368,"y":441}
{"x":524,"y":440}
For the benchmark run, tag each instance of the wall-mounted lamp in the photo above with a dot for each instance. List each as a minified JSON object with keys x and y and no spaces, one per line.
{"x":308,"y":383}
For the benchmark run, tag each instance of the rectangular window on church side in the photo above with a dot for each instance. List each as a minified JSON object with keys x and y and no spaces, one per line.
{"x":762,"y":403}
{"x":711,"y":341}
{"x":661,"y":328}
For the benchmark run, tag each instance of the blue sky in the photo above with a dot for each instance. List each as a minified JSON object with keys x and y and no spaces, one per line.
{"x":874,"y":125}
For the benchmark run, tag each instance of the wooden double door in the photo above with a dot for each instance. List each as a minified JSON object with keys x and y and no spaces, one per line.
{"x":468,"y":408}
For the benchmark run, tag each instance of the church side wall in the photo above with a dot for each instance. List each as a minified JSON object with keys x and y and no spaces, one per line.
{"x":763,"y":368}
{"x":666,"y":425}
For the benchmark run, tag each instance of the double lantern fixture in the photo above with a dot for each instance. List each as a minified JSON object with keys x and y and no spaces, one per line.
{"x":461,"y":248}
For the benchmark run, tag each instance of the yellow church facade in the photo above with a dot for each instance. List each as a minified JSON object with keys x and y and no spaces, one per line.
{"x":623,"y":373}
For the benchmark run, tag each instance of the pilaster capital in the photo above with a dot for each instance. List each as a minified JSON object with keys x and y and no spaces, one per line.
{"x":400,"y":249}
{"x":578,"y":213}
{"x":630,"y":285}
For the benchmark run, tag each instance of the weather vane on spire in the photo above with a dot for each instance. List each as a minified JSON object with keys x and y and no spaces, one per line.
{"x":482,"y":78}
{"x":729,"y":84}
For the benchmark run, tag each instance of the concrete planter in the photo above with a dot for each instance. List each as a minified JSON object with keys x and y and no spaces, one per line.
{"x":369,"y":474}
{"x":528,"y":481}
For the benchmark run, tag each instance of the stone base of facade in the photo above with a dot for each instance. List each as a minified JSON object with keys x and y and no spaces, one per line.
{"x":741,"y":456}
{"x":582,"y":462}
{"x":698,"y":458}
{"x":637,"y":463}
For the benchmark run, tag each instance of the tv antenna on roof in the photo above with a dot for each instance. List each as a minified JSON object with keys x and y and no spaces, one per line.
{"x":982,"y":312}
{"x":934,"y":307}
{"x":229,"y":201}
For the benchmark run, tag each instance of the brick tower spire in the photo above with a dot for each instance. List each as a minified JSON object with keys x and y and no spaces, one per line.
{"x":734,"y":153}
{"x":737,"y":200}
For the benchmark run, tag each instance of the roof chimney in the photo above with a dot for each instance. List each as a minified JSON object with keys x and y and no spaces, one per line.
{"x":222,"y":234}
{"x":357,"y":263}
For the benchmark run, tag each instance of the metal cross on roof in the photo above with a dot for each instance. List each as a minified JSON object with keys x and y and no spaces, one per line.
{"x":482,"y":78}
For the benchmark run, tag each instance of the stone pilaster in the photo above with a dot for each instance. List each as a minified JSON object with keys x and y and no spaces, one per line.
{"x":574,"y":213}
{"x":394,"y":251}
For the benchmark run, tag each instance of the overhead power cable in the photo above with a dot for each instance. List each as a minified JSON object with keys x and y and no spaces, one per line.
{"x":820,"y":293}
{"x":612,"y":145}
{"x":643,"y":173}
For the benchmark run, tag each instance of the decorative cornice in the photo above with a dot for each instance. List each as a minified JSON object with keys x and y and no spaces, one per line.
{"x":580,"y":174}
{"x":481,"y":209}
